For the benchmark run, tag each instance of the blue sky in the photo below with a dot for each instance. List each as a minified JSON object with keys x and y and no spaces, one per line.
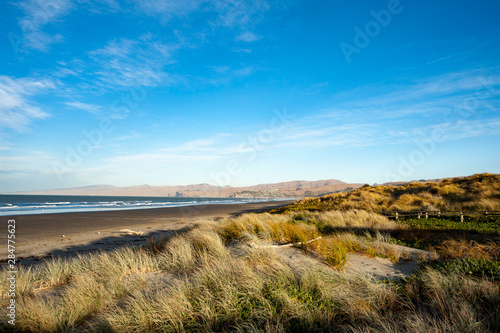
{"x":237,"y":93}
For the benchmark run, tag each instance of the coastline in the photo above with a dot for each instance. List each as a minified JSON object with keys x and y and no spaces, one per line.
{"x":66,"y":234}
{"x":16,"y":205}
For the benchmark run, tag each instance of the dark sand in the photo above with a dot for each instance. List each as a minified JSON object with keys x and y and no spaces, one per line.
{"x":62,"y":234}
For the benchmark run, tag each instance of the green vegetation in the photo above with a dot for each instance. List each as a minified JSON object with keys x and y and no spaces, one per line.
{"x":480,"y":268}
{"x":483,"y":225}
{"x":476,"y":237}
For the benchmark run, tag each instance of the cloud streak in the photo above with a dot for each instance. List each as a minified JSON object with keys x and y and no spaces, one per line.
{"x":133,"y":62}
{"x":248,"y":37}
{"x":38,"y":14}
{"x":91,"y":108}
{"x":430,"y":97}
{"x":462,"y":104}
{"x":17,"y":111}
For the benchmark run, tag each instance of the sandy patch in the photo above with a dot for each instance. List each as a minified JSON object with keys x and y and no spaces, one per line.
{"x":379,"y":268}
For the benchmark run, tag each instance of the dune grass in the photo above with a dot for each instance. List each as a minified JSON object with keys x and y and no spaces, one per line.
{"x":479,"y":192}
{"x":341,"y":232}
{"x":224,"y":276}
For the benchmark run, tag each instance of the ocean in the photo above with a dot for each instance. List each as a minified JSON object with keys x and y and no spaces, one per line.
{"x":47,"y":204}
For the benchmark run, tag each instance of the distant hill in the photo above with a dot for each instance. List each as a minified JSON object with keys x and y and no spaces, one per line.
{"x":292,"y":189}
{"x":479,"y":192}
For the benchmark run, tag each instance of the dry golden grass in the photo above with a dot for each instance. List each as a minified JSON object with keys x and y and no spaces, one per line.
{"x":453,"y":298}
{"x":303,"y":227}
{"x":216,"y":282}
{"x":229,"y":295}
{"x":479,"y":192}
{"x":267,"y":227}
{"x":357,"y":219}
{"x":456,"y":249}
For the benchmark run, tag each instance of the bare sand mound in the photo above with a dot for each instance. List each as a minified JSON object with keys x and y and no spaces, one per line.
{"x":380,"y":268}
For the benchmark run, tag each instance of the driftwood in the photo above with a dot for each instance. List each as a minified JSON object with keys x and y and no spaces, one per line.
{"x":131,"y":232}
{"x":285,"y":245}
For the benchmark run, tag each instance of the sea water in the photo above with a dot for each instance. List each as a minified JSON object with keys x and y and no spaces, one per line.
{"x":45,"y":204}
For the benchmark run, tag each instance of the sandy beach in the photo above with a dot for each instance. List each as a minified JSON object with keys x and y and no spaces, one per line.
{"x":67,"y":234}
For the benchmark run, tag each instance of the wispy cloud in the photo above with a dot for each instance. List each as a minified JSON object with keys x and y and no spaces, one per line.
{"x":225,"y":74}
{"x":100,"y":6}
{"x":220,"y":69}
{"x":462,"y":104}
{"x":133,"y":62}
{"x":39,"y":13}
{"x":194,"y":146}
{"x":398,"y":112}
{"x":155,"y":165}
{"x":428,"y":95}
{"x":230,"y":13}
{"x":167,"y":9}
{"x":157,"y":159}
{"x":238,"y":13}
{"x":96,"y":109}
{"x":64,"y":72}
{"x":241,"y":50}
{"x":17,"y":111}
{"x":243,"y":71}
{"x":192,"y":155}
{"x":215,"y":144}
{"x":248,"y":37}
{"x":132,"y":135}
{"x":461,"y":129}
{"x":303,"y":132}
{"x":310,"y":135}
{"x":29,"y":163}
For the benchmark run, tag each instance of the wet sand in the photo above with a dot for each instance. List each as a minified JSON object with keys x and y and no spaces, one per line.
{"x":62,"y":234}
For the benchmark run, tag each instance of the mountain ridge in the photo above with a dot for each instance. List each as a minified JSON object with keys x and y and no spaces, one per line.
{"x":290,"y":189}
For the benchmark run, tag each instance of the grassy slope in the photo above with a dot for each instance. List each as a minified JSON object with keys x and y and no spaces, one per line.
{"x":474,"y":237}
{"x":475,"y":193}
{"x":214,"y":279}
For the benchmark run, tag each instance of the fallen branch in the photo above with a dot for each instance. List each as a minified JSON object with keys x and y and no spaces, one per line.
{"x":131,"y":232}
{"x":284,"y":245}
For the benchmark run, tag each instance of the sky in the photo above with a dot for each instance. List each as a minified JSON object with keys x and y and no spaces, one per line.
{"x":233,"y":92}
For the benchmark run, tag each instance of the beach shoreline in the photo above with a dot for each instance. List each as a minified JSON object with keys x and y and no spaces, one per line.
{"x":67,"y":234}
